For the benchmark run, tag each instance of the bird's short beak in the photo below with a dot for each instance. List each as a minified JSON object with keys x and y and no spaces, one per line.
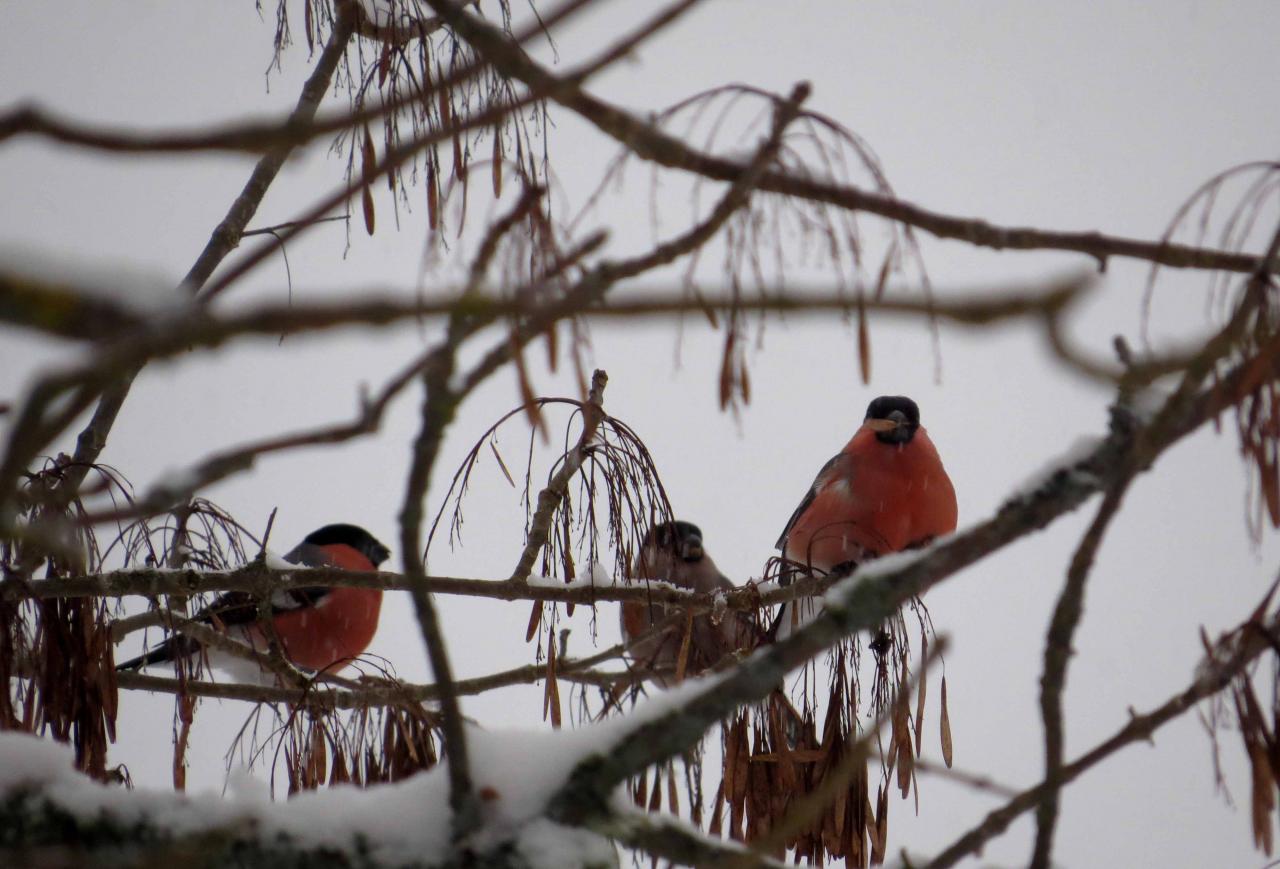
{"x":893,"y":428}
{"x":895,"y":420}
{"x":691,"y":549}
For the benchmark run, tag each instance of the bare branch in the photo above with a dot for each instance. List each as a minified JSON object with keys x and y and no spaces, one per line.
{"x":1057,"y":655}
{"x":558,"y":486}
{"x":259,"y":579}
{"x":83,"y":312}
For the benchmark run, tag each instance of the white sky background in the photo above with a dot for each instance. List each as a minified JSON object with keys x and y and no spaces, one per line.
{"x":1057,"y":117}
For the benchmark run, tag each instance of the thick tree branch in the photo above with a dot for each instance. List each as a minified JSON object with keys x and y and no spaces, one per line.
{"x":665,"y":838}
{"x":89,"y":314}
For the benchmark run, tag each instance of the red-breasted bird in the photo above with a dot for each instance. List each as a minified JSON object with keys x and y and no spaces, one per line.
{"x":886,"y":491}
{"x":319,"y":628}
{"x":672,"y":551}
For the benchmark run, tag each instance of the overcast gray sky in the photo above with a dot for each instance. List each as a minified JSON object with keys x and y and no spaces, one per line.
{"x":1059,"y":116}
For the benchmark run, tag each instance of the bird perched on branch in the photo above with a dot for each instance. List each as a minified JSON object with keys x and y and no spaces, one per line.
{"x":886,"y":491}
{"x":319,"y":628}
{"x":658,"y":638}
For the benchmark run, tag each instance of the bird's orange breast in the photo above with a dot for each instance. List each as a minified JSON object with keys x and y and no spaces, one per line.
{"x":876,"y":498}
{"x":341,"y":624}
{"x":336,"y":630}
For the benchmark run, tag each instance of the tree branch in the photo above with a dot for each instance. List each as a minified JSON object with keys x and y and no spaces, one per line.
{"x":1057,"y":655}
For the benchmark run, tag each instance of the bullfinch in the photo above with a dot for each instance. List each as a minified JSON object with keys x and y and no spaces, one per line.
{"x":886,"y":491}
{"x":673,"y":552}
{"x":319,"y":628}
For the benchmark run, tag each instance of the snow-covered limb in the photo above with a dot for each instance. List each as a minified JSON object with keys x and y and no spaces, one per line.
{"x":44,"y":803}
{"x":669,"y":838}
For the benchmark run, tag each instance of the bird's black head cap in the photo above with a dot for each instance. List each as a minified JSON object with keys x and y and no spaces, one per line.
{"x":350,"y":535}
{"x":682,"y":538}
{"x":898,"y":409}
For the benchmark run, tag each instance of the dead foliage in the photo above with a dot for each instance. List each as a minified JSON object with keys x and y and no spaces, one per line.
{"x":776,"y":236}
{"x":402,"y":57}
{"x":56,"y":656}
{"x":360,"y":747}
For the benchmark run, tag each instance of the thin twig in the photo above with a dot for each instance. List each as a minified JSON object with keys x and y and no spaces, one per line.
{"x":558,"y":486}
{"x":1231,"y":658}
{"x":1057,"y":655}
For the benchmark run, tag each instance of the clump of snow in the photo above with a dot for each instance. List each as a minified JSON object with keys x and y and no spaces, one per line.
{"x":543,"y":843}
{"x":583,"y":580}
{"x":1065,"y":462}
{"x":515,"y":774}
{"x":1147,"y":402}
{"x":277,"y":562}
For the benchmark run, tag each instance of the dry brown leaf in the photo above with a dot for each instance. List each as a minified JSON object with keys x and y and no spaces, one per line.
{"x":1263,"y":795}
{"x":1269,"y":482}
{"x":944,"y":726}
{"x":726,"y":370}
{"x":717,"y":811}
{"x":686,"y":642}
{"x":502,"y":465}
{"x":886,"y":268}
{"x":497,"y":162}
{"x":551,"y":694}
{"x":527,"y":395}
{"x":924,"y":656}
{"x":466,"y":186}
{"x":738,"y":795}
{"x":384,"y":63}
{"x":864,"y":343}
{"x":319,"y":756}
{"x":185,"y":704}
{"x":433,"y":197}
{"x":535,"y":619}
{"x":553,"y":347}
{"x":880,"y":834}
{"x":368,"y":160}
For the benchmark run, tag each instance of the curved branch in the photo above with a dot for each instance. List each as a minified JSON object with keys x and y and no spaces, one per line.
{"x":652,"y":143}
